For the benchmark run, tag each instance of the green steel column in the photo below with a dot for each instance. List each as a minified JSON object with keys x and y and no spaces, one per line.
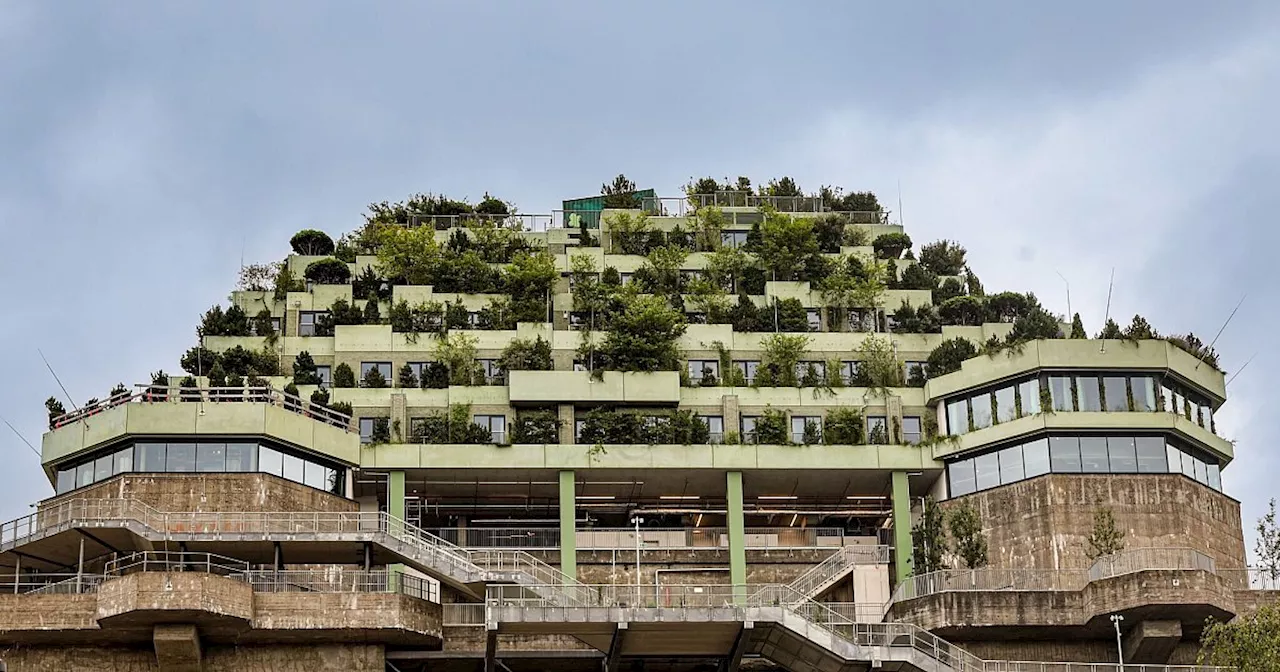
{"x":902,"y":550}
{"x":395,"y":509}
{"x":568,"y":525}
{"x":737,"y":537}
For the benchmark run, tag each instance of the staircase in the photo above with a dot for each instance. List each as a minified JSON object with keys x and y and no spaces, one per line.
{"x":821,"y":577}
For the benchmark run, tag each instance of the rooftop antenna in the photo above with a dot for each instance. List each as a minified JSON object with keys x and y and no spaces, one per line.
{"x":1246,"y":364}
{"x":1068,"y":284}
{"x":59,"y":381}
{"x":1107,"y":318}
{"x":1222,"y":329}
{"x":20,"y":436}
{"x":901,"y":221}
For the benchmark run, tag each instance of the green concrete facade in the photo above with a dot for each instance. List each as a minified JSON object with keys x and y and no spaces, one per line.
{"x":737,"y":543}
{"x":903,"y":561}
{"x":568,"y":524}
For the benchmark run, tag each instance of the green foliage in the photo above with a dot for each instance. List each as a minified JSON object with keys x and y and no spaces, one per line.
{"x":972,"y":284}
{"x":964,"y":310}
{"x":661,"y":272}
{"x":1009,"y":306}
{"x":829,"y":230}
{"x":198,"y":360}
{"x":835,"y":200}
{"x":366,"y":283}
{"x":782,"y":352}
{"x":787,"y":246}
{"x":965,"y":524}
{"x":916,"y":276}
{"x":381,"y":431}
{"x":409,"y":255}
{"x":1105,"y":538}
{"x":406,"y":378}
{"x":891,"y":245}
{"x":285,"y":283}
{"x":853,"y":285}
{"x":879,"y":366}
{"x":493,"y":206}
{"x":499,"y":314}
{"x":56,"y":410}
{"x":343,"y":407}
{"x":949,"y":289}
{"x":304,"y":369}
{"x":1139,"y":329}
{"x":452,"y":426}
{"x":457,"y":352}
{"x":319,"y":397}
{"x":311,"y":242}
{"x":843,"y":426}
{"x":343,"y":376}
{"x":1110,"y":330}
{"x":262,"y":324}
{"x":643,"y":336}
{"x":435,"y":376}
{"x":373,"y":378}
{"x":215,"y":322}
{"x":372,"y":314}
{"x":536,"y":426}
{"x":629,"y":232}
{"x":328,"y":272}
{"x":920,"y":320}
{"x":1196,"y":348}
{"x":790,"y":315}
{"x":708,"y":223}
{"x":783,"y":187}
{"x":527,"y":355}
{"x":943,"y":257}
{"x":217,"y":376}
{"x":771,"y":427}
{"x":1037,"y":323}
{"x":929,"y":539}
{"x":1266,"y":550}
{"x":1077,"y":327}
{"x":610,"y":426}
{"x":947,"y":357}
{"x":1247,"y":644}
{"x":620,"y":194}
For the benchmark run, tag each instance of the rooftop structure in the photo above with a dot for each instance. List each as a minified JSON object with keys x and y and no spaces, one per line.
{"x":754,"y":428}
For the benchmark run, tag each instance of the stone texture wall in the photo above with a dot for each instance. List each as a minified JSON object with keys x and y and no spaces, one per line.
{"x":1043,"y":523}
{"x":315,"y":658}
{"x":212,"y":492}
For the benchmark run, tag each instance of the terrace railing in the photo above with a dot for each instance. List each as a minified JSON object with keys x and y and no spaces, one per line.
{"x":152,"y":394}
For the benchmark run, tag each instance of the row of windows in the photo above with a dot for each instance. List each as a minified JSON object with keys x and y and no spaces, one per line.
{"x":1080,"y":392}
{"x":702,"y":369}
{"x":200,"y":457}
{"x":1080,"y":455}
{"x":496,"y":424}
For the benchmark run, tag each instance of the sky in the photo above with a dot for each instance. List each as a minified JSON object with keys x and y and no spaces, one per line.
{"x":146,"y":149}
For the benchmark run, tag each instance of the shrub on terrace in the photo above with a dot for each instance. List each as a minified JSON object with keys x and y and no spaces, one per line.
{"x":943,"y":257}
{"x":343,"y":376}
{"x":328,"y":272}
{"x":643,"y":336}
{"x":948,"y":356}
{"x":843,"y":426}
{"x":891,"y":245}
{"x":311,"y":242}
{"x":526,"y":355}
{"x":537,"y":426}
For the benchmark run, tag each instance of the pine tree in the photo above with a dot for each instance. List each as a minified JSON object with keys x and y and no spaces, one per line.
{"x":1267,"y":548}
{"x":929,"y":539}
{"x":1106,"y":538}
{"x":1077,"y":327}
{"x":966,"y":529}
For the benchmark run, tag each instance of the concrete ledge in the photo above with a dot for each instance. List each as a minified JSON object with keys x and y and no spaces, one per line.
{"x":383,"y":617}
{"x":159,"y":597}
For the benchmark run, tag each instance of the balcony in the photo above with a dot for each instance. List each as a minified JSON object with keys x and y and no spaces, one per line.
{"x":567,"y":387}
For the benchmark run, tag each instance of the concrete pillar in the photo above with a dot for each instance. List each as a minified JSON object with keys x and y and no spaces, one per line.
{"x":566,"y":423}
{"x":1152,"y":642}
{"x":901,"y":526}
{"x":568,"y":524}
{"x":731,"y":413}
{"x":399,"y":417}
{"x":395,"y":509}
{"x":737,"y":536}
{"x":177,"y":647}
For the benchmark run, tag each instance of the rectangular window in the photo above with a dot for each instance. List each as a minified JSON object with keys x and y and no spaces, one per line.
{"x":383,"y":368}
{"x":749,"y":428}
{"x":814,"y":318}
{"x":211,"y":457}
{"x":66,"y":481}
{"x":315,"y":475}
{"x":749,"y":368}
{"x":181,"y":457}
{"x":913,"y":372}
{"x":577,"y":430}
{"x":293,"y":468}
{"x":819,"y":371}
{"x":1144,"y":393}
{"x":1006,"y":407}
{"x":878,"y":430}
{"x":962,"y":478}
{"x":1064,"y":454}
{"x":496,"y":424}
{"x":270,"y":461}
{"x":1166,"y":401}
{"x":1011,"y":465}
{"x":981,"y":405}
{"x":1087,"y":392}
{"x":704,"y":371}
{"x":957,"y":417}
{"x":307,"y":320}
{"x":242,"y":457}
{"x":1206,"y":416}
{"x":715,"y":427}
{"x":800,"y":422}
{"x":1188,"y":465}
{"x":1093,"y":455}
{"x":733,"y":239}
{"x":1214,"y":476}
{"x":492,"y":371}
{"x":695,"y":317}
{"x":1060,"y":393}
{"x":1029,"y":395}
{"x":84,"y":475}
{"x":325,"y":373}
{"x":123,"y":461}
{"x":911,"y":434}
{"x":987,"y":468}
{"x":1179,"y":403}
{"x":849,"y":372}
{"x":151,"y":456}
{"x":1117,"y":393}
{"x":366,"y":430}
{"x":1035,"y":457}
{"x":1122,"y":453}
{"x":1174,"y":457}
{"x":1200,"y":474}
{"x":102,"y":468}
{"x":1152,"y":458}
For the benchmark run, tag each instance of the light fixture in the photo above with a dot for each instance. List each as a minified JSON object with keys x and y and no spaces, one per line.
{"x":679,"y":497}
{"x":605,"y":497}
{"x":777,"y":497}
{"x":794,"y":517}
{"x":698,"y":522}
{"x":876,"y":498}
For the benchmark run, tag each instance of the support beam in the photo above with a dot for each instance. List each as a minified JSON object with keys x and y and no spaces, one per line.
{"x":613,"y":657}
{"x":98,"y":541}
{"x":177,"y":647}
{"x":395,"y":510}
{"x":902,"y":551}
{"x":568,"y":525}
{"x":491,"y":650}
{"x":734,"y":659}
{"x":737,"y":537}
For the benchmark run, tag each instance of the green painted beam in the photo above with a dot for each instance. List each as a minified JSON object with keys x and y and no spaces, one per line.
{"x":902,"y":551}
{"x":737,"y":537}
{"x":568,"y":525}
{"x":395,"y":509}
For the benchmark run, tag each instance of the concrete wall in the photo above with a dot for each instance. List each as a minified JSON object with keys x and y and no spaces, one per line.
{"x":212,"y":492}
{"x":1043,"y":523}
{"x":316,"y":658}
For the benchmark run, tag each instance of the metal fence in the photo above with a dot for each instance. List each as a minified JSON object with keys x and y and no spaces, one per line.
{"x":989,"y":579}
{"x":470,"y":614}
{"x":1252,"y":578}
{"x":1141,"y":559}
{"x":650,"y":539}
{"x":148,"y":394}
{"x":515,"y":222}
{"x":174,"y":561}
{"x":52,"y":584}
{"x":337,"y":580}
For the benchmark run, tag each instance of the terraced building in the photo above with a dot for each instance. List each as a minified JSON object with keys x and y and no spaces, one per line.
{"x":665,"y":434}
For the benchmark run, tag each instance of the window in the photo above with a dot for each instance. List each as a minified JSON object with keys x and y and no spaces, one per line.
{"x":1174,"y":457}
{"x":293,"y":468}
{"x":1206,"y":416}
{"x":798,"y":424}
{"x":987,"y":468}
{"x":1093,"y":455}
{"x":151,"y":456}
{"x":307,"y":320}
{"x":981,"y":405}
{"x":911,"y":433}
{"x":84,"y":475}
{"x":181,"y":457}
{"x":1213,"y":476}
{"x":102,"y":468}
{"x":957,"y":417}
{"x":123,"y":461}
{"x":962,"y":478}
{"x":861,"y":320}
{"x":749,"y":428}
{"x":1179,"y":403}
{"x":383,"y":368}
{"x":1035,"y":458}
{"x":492,"y":372}
{"x":242,"y":457}
{"x":877,"y":430}
{"x":271,"y":461}
{"x":577,"y":430}
{"x":1029,"y":395}
{"x":1117,"y":393}
{"x":366,"y":430}
{"x":1144,"y":393}
{"x":1123,"y":454}
{"x":577,"y":320}
{"x":1151,"y":455}
{"x":705,"y":371}
{"x":1064,"y":455}
{"x":1011,"y":470}
{"x":849,"y":371}
{"x":315,"y":475}
{"x":66,"y":480}
{"x":1166,"y":402}
{"x":211,"y":457}
{"x":819,"y":369}
{"x":624,"y":278}
{"x":695,"y":317}
{"x":715,"y":427}
{"x":733,"y":239}
{"x":1087,"y":392}
{"x":496,"y":424}
{"x":325,"y":373}
{"x":913,"y":371}
{"x":814,"y":317}
{"x":1006,"y":407}
{"x":1060,"y":393}
{"x":749,"y":368}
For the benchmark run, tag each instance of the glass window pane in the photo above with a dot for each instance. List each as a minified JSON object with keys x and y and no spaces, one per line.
{"x":1175,"y":458}
{"x":66,"y":480}
{"x":1029,"y":395}
{"x":336,"y":480}
{"x":240,"y":457}
{"x":1064,"y":454}
{"x":84,"y":475}
{"x":270,"y":461}
{"x":1179,"y":403}
{"x":1123,"y":454}
{"x":911,"y":430}
{"x":1199,"y":474}
{"x":962,"y":478}
{"x":1188,"y":465}
{"x":123,"y":461}
{"x":1167,"y":402}
{"x":1214,"y":476}
{"x":1151,"y":455}
{"x":1206,"y":416}
{"x":211,"y":457}
{"x":957,"y":417}
{"x":293,"y":468}
{"x":102,"y":468}
{"x":1093,"y":455}
{"x":1006,"y":409}
{"x":181,"y":457}
{"x":1117,"y":393}
{"x":988,"y":470}
{"x":314,"y":475}
{"x":150,"y":456}
{"x":1087,"y":393}
{"x":1011,"y":465}
{"x":981,"y":405}
{"x":1144,"y":393}
{"x":1035,"y":457}
{"x":1060,"y":392}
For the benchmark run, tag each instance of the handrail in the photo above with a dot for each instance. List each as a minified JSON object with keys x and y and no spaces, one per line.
{"x":651,"y":538}
{"x":1141,"y":559}
{"x":171,"y":393}
{"x":514,"y":222}
{"x":181,"y":561}
{"x":837,"y":564}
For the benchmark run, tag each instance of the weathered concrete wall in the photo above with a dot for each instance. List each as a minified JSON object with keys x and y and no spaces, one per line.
{"x":142,"y":595}
{"x":21,"y":616}
{"x":317,"y":658}
{"x":212,"y":492}
{"x":1043,"y":523}
{"x":357,"y":612}
{"x":1063,"y":650}
{"x":81,"y":659}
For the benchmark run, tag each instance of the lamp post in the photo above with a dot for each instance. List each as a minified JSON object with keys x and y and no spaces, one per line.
{"x":1115,"y":621}
{"x":637,"y":520}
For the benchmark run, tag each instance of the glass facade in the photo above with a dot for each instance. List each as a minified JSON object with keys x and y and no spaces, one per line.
{"x":1081,"y":454}
{"x":212,"y":457}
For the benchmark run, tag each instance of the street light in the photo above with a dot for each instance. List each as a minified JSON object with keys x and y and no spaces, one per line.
{"x":637,"y":520}
{"x":1115,"y":620}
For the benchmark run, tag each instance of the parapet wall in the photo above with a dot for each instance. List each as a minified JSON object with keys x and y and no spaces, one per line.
{"x":211,"y":493}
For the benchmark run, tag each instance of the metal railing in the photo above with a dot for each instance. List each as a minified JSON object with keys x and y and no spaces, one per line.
{"x":174,"y":561}
{"x":148,"y":394}
{"x":468,"y":614}
{"x":340,"y":581}
{"x":859,"y":612}
{"x":51,"y":584}
{"x":1142,"y":559}
{"x":627,"y":596}
{"x":836,"y":565}
{"x":746,"y":199}
{"x":651,"y":539}
{"x":656,"y":206}
{"x":989,"y":579}
{"x":1252,"y":578}
{"x":515,"y":222}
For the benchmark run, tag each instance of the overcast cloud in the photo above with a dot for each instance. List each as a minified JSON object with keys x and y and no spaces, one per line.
{"x":147,"y":148}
